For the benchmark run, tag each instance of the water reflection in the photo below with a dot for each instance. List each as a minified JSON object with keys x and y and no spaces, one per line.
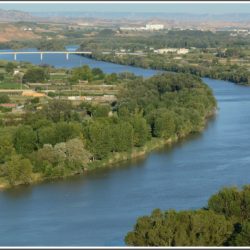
{"x":100,"y":207}
{"x":18,"y":192}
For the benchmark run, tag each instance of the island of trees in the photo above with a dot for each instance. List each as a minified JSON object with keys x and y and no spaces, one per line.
{"x":59,"y":139}
{"x":224,"y":222}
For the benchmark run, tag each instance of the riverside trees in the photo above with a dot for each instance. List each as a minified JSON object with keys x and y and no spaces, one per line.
{"x":56,"y":141}
{"x":225,"y":222}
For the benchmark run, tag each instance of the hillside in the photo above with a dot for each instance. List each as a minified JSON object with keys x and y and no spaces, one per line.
{"x":10,"y":32}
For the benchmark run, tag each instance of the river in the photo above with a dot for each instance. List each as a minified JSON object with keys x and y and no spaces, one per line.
{"x":98,"y":209}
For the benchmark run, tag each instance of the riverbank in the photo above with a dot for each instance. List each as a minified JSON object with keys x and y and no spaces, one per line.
{"x":115,"y":158}
{"x":229,"y":73}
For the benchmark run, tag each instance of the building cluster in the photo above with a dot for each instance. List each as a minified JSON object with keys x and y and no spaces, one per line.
{"x":148,"y":27}
{"x":172,"y":50}
{"x":27,"y":29}
{"x":99,"y":99}
{"x":240,"y":32}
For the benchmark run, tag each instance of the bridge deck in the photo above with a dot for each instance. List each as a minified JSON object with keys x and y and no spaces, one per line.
{"x":43,"y":52}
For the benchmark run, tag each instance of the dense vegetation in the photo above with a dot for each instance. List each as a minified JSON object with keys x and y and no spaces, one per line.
{"x":224,"y":222}
{"x":230,"y":72}
{"x":60,"y":139}
{"x":162,"y":39}
{"x":220,"y":45}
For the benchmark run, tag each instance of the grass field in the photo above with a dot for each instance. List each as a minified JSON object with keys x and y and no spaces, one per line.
{"x":8,"y":85}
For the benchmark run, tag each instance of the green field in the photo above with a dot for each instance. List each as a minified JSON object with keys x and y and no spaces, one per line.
{"x":7,"y":85}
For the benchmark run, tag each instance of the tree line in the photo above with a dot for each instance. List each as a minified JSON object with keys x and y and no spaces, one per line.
{"x":225,"y":221}
{"x":62,"y":139}
{"x":229,"y":72}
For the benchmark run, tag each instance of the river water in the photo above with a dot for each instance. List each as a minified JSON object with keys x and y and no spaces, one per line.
{"x":98,"y":209}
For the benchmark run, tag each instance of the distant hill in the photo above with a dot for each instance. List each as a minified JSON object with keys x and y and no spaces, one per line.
{"x":237,"y":17}
{"x":179,"y":20}
{"x":16,"y":16}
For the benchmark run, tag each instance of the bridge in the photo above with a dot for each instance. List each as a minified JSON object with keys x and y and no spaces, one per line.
{"x":41,"y":53}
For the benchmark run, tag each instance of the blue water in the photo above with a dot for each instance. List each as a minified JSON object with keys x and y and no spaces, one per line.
{"x":98,"y":209}
{"x":59,"y":61}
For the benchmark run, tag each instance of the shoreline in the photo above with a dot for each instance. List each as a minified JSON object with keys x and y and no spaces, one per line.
{"x":162,"y":70}
{"x":150,"y":146}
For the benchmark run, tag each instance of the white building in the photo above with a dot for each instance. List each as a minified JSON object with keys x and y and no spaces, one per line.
{"x":172,"y":50}
{"x":148,"y":27}
{"x":16,"y":72}
{"x":154,"y":26}
{"x":165,"y":50}
{"x":27,"y":29}
{"x":182,"y":51}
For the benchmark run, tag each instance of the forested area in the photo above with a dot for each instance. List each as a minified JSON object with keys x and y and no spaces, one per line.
{"x":225,"y":221}
{"x":161,"y":39}
{"x":60,"y":139}
{"x":230,"y":72}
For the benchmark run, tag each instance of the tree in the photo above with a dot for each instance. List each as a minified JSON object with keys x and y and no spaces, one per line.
{"x":25,"y":139}
{"x":77,"y":156}
{"x":6,"y":148}
{"x":242,"y":238}
{"x":4,"y":98}
{"x":164,"y":125}
{"x":62,"y":159}
{"x":44,"y":157}
{"x":141,"y":130}
{"x":65,"y":131}
{"x":111,"y":78}
{"x":10,"y":67}
{"x":81,"y":73}
{"x":122,"y":136}
{"x":18,"y":170}
{"x":99,"y":135}
{"x":184,"y":228}
{"x":101,"y":110}
{"x":47,"y":135}
{"x":58,"y":110}
{"x":227,"y":202}
{"x":1,"y":77}
{"x":98,"y":73}
{"x":36,"y":75}
{"x":51,"y":45}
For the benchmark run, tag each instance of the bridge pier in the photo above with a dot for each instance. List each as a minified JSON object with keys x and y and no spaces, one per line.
{"x":15,"y":53}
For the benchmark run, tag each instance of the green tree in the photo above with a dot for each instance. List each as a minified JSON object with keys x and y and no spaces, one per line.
{"x":82,"y":73}
{"x":122,"y":136}
{"x":98,"y":73}
{"x":25,"y":139}
{"x":65,"y":131}
{"x":184,"y":228}
{"x":2,"y":77}
{"x":101,"y":110}
{"x":227,"y":202}
{"x":77,"y":157}
{"x":141,"y":130}
{"x":58,"y":110}
{"x":36,"y":75}
{"x":18,"y":170}
{"x":47,"y":135}
{"x":64,"y":158}
{"x":6,"y":148}
{"x":164,"y":125}
{"x":99,"y":135}
{"x":243,"y":237}
{"x":10,"y":67}
{"x":4,"y":98}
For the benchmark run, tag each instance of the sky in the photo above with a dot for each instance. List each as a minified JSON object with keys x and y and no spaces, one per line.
{"x":195,"y":8}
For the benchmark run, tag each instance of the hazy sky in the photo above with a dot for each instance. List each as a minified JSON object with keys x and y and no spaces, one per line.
{"x":219,"y":8}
